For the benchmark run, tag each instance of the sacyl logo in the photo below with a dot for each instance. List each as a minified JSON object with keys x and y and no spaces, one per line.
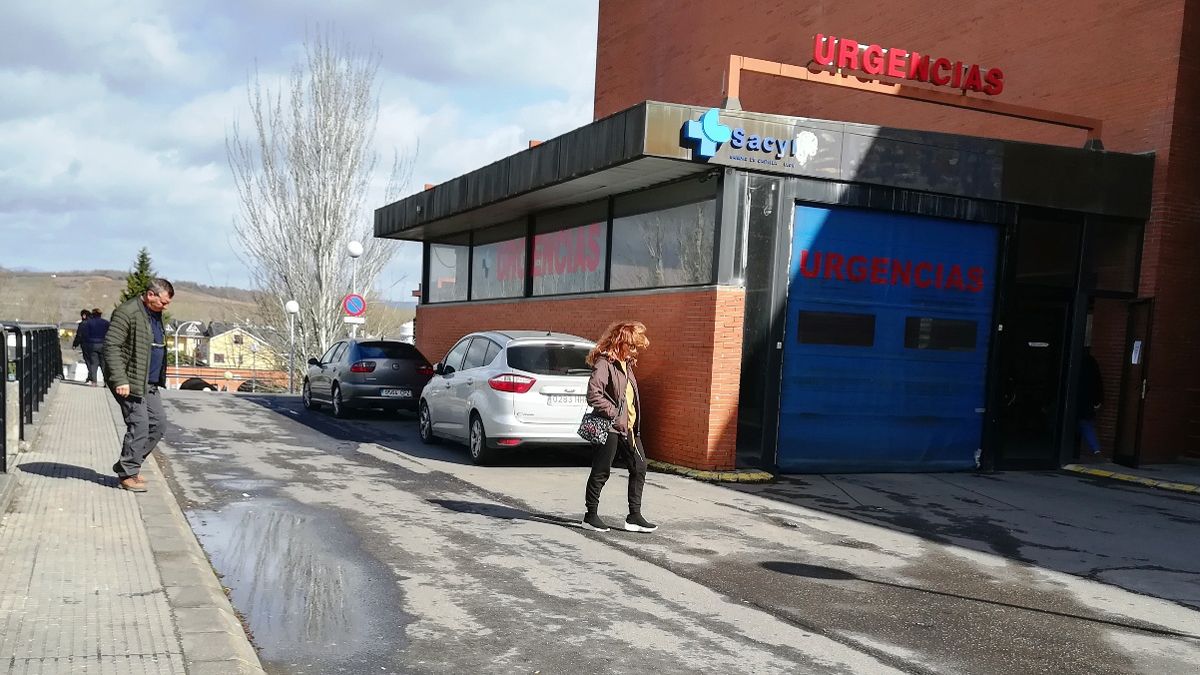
{"x":708,"y":134}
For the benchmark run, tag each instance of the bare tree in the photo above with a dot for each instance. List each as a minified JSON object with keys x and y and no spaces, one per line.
{"x":303,"y":175}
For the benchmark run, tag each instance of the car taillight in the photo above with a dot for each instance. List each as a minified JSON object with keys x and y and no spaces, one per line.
{"x":509,"y":441}
{"x":425,"y":370}
{"x":363,"y":367}
{"x":517,"y":384}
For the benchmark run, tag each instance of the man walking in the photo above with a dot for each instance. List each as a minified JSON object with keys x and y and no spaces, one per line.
{"x":94,"y":332}
{"x":135,"y":367}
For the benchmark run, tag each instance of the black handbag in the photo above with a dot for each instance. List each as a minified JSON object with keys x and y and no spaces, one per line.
{"x":594,"y":428}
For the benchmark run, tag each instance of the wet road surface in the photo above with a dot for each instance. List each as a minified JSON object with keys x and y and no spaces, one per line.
{"x":351,"y":547}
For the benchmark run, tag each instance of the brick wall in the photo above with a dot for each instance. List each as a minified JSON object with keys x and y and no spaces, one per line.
{"x":1133,"y":63}
{"x":688,"y":378}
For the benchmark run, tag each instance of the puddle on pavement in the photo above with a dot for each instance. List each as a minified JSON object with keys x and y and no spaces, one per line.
{"x":249,"y":484}
{"x":315,"y":602}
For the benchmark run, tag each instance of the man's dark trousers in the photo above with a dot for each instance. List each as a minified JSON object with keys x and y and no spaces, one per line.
{"x":92,"y":352}
{"x":144,"y":422}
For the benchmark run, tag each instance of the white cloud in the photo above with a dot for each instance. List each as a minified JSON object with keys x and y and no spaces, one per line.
{"x":115,"y":112}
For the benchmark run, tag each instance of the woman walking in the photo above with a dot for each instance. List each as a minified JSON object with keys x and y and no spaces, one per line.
{"x":613,"y":392}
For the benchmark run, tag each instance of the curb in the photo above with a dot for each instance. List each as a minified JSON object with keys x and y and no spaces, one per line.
{"x":1186,"y":488}
{"x":211,"y":635}
{"x":738,"y":476}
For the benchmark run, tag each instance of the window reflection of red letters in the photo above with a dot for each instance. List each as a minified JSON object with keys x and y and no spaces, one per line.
{"x":568,"y":251}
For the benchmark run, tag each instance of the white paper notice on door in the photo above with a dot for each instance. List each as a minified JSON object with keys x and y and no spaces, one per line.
{"x":1136,"y":357}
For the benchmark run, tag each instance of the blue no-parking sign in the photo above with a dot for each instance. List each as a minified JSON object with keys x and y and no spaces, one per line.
{"x":354,"y":305}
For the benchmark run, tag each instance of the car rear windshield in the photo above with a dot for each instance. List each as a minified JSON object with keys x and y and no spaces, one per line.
{"x":550,"y":359}
{"x":387,"y":350}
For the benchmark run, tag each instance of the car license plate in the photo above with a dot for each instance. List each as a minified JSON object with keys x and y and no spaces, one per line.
{"x":565,"y":399}
{"x":397,"y":393}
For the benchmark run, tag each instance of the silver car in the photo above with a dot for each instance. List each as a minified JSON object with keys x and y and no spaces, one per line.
{"x":504,"y":389}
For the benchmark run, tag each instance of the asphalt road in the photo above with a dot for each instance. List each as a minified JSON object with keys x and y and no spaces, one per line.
{"x":351,"y":547}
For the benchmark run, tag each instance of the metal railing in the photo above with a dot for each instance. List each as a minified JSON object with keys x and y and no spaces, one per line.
{"x":34,"y":361}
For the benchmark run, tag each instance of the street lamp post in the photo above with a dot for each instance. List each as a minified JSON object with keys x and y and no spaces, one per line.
{"x":253,"y":367}
{"x":178,"y":377}
{"x":293,"y":308}
{"x":355,"y":249}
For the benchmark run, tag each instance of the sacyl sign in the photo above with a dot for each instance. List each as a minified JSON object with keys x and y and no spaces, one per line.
{"x":707,"y":135}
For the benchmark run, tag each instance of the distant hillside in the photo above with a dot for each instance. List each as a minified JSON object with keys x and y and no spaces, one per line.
{"x":43,"y":297}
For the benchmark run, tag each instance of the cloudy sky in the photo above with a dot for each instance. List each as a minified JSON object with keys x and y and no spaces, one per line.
{"x":114,"y":113}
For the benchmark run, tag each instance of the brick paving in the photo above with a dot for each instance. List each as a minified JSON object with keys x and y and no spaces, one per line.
{"x":79,"y":588}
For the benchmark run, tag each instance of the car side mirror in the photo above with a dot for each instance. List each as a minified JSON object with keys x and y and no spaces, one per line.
{"x":437,"y":369}
{"x":314,"y":362}
{"x":447,"y":370}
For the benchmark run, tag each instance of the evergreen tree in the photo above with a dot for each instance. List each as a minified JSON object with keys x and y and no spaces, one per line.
{"x":138,"y":280}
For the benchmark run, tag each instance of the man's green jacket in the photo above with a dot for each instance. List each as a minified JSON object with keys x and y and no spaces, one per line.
{"x":127,"y":347}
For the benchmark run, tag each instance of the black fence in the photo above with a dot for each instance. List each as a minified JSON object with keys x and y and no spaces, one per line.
{"x":33,"y":359}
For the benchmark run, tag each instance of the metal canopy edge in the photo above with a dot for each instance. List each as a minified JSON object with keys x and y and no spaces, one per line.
{"x":642,"y":146}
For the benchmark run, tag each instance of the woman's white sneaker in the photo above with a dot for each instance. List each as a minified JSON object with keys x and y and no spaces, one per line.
{"x":593,"y":522}
{"x":636,"y":523}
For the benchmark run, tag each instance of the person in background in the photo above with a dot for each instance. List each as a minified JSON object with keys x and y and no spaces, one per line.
{"x":84,"y":315}
{"x":1091,"y":397}
{"x":135,"y":367}
{"x":613,"y":392}
{"x":94,"y":330}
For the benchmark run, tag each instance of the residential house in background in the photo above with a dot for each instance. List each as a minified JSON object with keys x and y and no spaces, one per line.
{"x":231,"y":346}
{"x":192,"y":339}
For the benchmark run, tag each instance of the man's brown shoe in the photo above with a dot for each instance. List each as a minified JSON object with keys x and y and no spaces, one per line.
{"x":140,"y":481}
{"x":132,"y":485}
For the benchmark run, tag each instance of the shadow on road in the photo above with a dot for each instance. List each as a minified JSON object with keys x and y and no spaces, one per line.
{"x":502,"y":512}
{"x":1120,"y":535}
{"x":834,"y":574}
{"x":57,"y":470}
{"x":398,"y":431}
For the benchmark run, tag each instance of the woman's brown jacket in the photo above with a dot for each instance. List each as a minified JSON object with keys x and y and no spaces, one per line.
{"x":605,"y":390}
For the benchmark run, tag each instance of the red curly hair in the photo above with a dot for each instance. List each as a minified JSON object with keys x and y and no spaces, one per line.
{"x":622,"y":341}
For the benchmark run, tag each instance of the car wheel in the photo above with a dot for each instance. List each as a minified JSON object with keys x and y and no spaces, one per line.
{"x":477,"y":443}
{"x":425,"y":425}
{"x":306,"y":397}
{"x":339,"y":407}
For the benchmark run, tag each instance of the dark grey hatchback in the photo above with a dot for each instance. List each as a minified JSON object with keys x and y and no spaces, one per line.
{"x":384,"y":374}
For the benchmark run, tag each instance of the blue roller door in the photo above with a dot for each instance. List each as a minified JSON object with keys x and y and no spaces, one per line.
{"x":886,"y":342}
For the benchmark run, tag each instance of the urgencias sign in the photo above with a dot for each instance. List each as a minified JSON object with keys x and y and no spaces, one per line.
{"x":872,"y":59}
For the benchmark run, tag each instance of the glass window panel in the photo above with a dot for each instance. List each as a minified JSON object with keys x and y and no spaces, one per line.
{"x":550,"y":359}
{"x":1047,"y":252}
{"x":571,"y":260}
{"x":475,"y":355}
{"x":448,"y":271}
{"x":836,"y":328}
{"x":671,"y":247}
{"x":1111,"y":259}
{"x":455,"y":357}
{"x":492,"y":350}
{"x":924,"y":332}
{"x":499,"y":270}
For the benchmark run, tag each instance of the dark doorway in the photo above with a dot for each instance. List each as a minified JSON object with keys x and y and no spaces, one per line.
{"x":1035,"y":342}
{"x":1127,"y":449}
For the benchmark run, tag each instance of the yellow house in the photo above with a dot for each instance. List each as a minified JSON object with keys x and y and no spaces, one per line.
{"x":239,"y":348}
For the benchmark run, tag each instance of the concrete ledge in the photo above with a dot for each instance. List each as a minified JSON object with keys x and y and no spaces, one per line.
{"x":1187,"y":488}
{"x":737,"y":476}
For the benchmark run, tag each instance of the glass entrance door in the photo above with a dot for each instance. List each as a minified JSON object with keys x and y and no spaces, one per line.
{"x":1033,"y":367}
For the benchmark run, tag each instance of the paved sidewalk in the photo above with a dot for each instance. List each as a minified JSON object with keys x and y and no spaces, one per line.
{"x":85,"y":585}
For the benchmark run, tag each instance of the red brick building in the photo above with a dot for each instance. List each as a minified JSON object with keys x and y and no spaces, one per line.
{"x":1135,"y":65}
{"x":824,"y":288}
